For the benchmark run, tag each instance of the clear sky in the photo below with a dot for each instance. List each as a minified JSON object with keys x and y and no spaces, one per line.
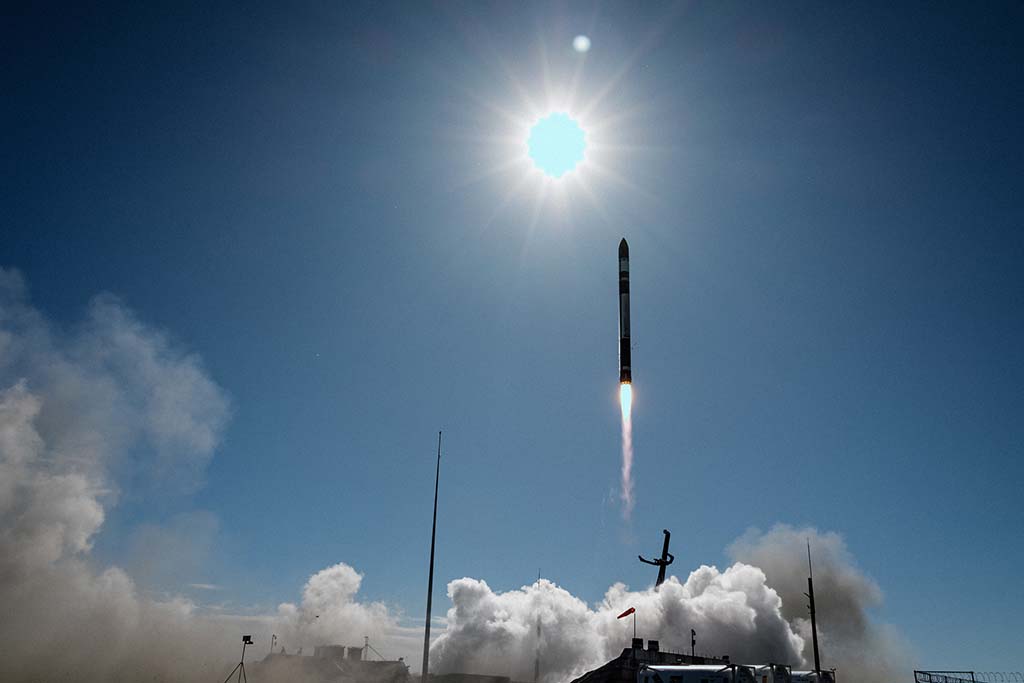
{"x":326,"y":203}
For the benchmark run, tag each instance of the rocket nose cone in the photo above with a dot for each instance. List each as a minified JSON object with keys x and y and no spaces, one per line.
{"x":623,"y":249}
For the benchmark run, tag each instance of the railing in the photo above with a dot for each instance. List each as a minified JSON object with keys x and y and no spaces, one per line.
{"x":968,"y":677}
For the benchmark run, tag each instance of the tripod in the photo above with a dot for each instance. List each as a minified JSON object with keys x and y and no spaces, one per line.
{"x":240,"y":668}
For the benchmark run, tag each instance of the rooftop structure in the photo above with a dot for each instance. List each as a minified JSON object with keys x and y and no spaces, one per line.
{"x":329,"y":663}
{"x":624,"y":668}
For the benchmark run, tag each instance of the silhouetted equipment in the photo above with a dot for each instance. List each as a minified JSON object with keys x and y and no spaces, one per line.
{"x":240,"y":668}
{"x":705,"y":673}
{"x":739,"y":673}
{"x":693,"y":641}
{"x":369,"y":648}
{"x":469,"y":678}
{"x":665,"y":560}
{"x":430,"y":575}
{"x":774,"y":673}
{"x":334,"y":663}
{"x":624,"y":668}
{"x":810,"y":596}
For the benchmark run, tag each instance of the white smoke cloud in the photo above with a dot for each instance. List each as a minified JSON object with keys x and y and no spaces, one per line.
{"x":330,"y":613}
{"x":113,"y":395}
{"x":734,"y":611}
{"x":754,"y":611}
{"x":848,"y":639}
{"x":81,"y":411}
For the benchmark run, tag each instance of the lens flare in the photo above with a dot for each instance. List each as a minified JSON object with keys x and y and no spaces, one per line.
{"x":626,"y":401}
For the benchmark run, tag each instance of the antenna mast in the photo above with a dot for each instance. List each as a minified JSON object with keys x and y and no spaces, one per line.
{"x":430,"y":576}
{"x":814,"y":622}
{"x":536,"y":661}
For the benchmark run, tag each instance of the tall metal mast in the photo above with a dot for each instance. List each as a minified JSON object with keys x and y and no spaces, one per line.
{"x":814,"y":623}
{"x":430,"y":576}
{"x":536,"y":661}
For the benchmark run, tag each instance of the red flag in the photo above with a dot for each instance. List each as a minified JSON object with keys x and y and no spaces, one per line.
{"x":631,"y":610}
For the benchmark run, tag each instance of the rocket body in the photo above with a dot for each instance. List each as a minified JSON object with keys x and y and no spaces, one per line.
{"x":625,"y":371}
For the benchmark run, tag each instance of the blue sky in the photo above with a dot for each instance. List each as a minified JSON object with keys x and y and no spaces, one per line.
{"x":823,"y":206}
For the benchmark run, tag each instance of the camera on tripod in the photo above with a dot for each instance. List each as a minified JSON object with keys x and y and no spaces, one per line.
{"x":240,"y":667}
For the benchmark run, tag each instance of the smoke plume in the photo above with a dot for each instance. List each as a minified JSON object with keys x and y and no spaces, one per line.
{"x":85,"y":413}
{"x":734,"y":611}
{"x":75,"y":407}
{"x":755,"y":611}
{"x":330,"y":613}
{"x":626,"y":402}
{"x":847,"y":637}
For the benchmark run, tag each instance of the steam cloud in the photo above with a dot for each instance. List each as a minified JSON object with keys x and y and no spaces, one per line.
{"x":329,"y":612}
{"x":755,"y":611}
{"x":113,"y":403}
{"x":75,"y":408}
{"x":734,"y":611}
{"x":848,"y":639}
{"x":83,"y":412}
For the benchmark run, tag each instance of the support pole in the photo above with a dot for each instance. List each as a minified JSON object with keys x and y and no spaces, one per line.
{"x":536,"y":660}
{"x":430,"y":575}
{"x":814,"y":622}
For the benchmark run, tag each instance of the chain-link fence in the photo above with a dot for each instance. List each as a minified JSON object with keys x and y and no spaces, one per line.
{"x":968,"y":677}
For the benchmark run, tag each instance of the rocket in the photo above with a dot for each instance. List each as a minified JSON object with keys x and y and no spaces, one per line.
{"x":625,"y":373}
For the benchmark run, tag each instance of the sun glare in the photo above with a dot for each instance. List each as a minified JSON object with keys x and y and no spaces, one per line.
{"x":549,"y":140}
{"x":556,"y":144}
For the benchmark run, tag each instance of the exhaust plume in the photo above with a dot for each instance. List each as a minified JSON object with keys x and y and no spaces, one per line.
{"x":85,"y":412}
{"x":735,"y":611}
{"x":626,"y":402}
{"x":329,"y":612}
{"x":113,"y":395}
{"x":755,"y":611}
{"x":848,"y":638}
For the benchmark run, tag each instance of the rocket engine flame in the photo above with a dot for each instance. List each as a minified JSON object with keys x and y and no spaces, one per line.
{"x":626,"y":401}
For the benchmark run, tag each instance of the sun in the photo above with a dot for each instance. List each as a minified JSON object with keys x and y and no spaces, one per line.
{"x":549,"y":135}
{"x":556,"y":144}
